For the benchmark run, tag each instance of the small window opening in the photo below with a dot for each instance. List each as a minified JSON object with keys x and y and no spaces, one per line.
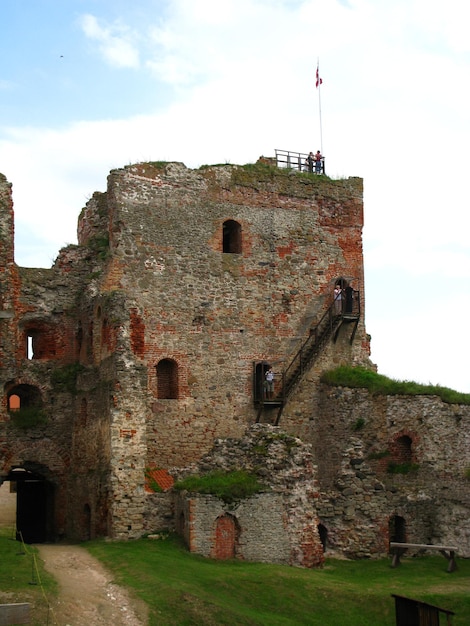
{"x":14,"y":402}
{"x":167,"y":379}
{"x":24,"y":397}
{"x":29,"y":346}
{"x":181,"y":522}
{"x":232,"y":237}
{"x":79,"y":339}
{"x":40,"y":340}
{"x":403,"y":451}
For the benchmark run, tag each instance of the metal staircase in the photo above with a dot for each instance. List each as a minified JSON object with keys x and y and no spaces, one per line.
{"x":327,"y":328}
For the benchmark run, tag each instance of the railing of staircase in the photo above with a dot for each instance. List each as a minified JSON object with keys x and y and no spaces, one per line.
{"x":323,"y":328}
{"x":349,"y":310}
{"x":298,"y":361}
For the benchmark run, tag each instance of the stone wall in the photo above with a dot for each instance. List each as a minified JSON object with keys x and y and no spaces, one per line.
{"x":208,"y":313}
{"x":44,"y":320}
{"x":356,"y":435}
{"x":211,"y":313}
{"x":351,"y":499}
{"x":144,"y":340}
{"x":9,"y":281}
{"x":279,"y":525}
{"x":260,"y":532}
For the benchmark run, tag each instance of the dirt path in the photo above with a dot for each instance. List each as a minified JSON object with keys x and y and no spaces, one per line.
{"x":87,"y":595}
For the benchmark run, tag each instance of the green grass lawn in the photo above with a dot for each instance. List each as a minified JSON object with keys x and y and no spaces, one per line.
{"x":185,"y":589}
{"x":23,"y":579}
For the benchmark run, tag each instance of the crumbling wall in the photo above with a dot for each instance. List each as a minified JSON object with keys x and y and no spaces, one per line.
{"x":210,"y":313}
{"x":145,"y":335}
{"x":365,"y":483}
{"x":44,"y":319}
{"x":279,"y":525}
{"x":9,"y":281}
{"x":260,"y":530}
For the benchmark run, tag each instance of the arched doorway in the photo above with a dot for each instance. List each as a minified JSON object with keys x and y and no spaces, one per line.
{"x":227,"y":533}
{"x":259,"y":373}
{"x":34,"y":505}
{"x":323,"y":534}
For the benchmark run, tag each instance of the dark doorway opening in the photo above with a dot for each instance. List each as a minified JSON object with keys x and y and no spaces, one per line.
{"x":259,"y":376}
{"x":323,"y":533}
{"x":34,"y":506}
{"x":397,"y":529}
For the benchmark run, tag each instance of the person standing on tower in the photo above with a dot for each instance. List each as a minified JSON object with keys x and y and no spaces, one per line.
{"x":318,"y":162}
{"x":269,"y":384}
{"x":338,"y":297}
{"x":309,"y":161}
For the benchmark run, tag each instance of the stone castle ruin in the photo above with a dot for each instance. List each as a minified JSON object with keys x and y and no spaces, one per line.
{"x":141,"y":356}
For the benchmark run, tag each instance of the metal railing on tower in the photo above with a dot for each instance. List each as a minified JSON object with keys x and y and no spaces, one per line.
{"x":298,"y":161}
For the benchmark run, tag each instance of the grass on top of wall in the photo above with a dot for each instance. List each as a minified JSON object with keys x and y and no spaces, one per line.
{"x":181,"y":588}
{"x":228,"y":486}
{"x":346,"y":376}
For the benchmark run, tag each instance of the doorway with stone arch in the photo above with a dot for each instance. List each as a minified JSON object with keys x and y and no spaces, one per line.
{"x":227,"y":535}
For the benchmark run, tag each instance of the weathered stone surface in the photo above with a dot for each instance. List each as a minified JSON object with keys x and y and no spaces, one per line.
{"x":137,"y":349}
{"x":279,"y":525}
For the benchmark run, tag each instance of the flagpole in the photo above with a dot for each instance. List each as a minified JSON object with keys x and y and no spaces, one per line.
{"x":318,"y":84}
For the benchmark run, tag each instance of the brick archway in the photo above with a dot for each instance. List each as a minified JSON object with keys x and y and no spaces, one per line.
{"x":403,"y":447}
{"x":39,"y":471}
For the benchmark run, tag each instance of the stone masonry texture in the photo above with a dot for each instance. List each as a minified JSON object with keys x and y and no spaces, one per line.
{"x":138,"y":350}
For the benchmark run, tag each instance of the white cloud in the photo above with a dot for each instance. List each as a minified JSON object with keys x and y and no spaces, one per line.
{"x":115,"y":42}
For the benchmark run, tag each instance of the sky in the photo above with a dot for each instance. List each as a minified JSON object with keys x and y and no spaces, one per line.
{"x":91,"y":85}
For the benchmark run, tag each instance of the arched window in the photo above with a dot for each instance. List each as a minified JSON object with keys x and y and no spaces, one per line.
{"x":24,"y":397}
{"x":167,"y":379}
{"x":232,"y":237}
{"x":323,"y":534}
{"x":25,"y":406}
{"x":402,"y":450}
{"x":40,"y":340}
{"x":14,"y":402}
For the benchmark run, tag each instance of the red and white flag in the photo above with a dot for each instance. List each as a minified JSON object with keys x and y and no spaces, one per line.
{"x":319,"y":80}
